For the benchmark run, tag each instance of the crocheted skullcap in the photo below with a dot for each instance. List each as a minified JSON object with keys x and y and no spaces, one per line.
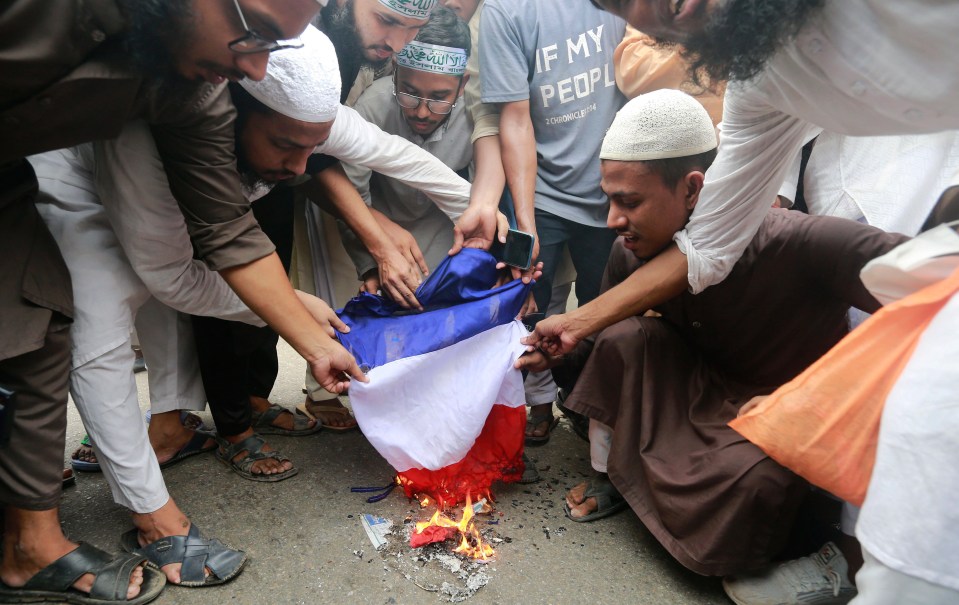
{"x":301,"y":83}
{"x":659,"y":125}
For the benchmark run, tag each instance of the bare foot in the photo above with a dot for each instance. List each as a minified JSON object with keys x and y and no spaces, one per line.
{"x":284,"y":421}
{"x":34,"y":540}
{"x":267,"y":466}
{"x":168,"y":435}
{"x":164,"y":522}
{"x":84,"y":453}
{"x":578,"y":505}
{"x":329,"y":418}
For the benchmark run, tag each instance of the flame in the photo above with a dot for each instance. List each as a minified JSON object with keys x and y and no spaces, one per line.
{"x":471,"y":543}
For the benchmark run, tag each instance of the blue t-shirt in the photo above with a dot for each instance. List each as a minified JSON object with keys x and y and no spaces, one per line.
{"x":559,"y":56}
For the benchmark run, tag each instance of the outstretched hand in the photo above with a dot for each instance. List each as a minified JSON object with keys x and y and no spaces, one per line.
{"x":322,"y":313}
{"x":333,"y":367}
{"x":553,"y":335}
{"x":477,"y":227}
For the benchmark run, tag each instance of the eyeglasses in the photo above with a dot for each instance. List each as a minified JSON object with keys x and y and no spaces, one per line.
{"x":408,"y":101}
{"x":252,"y":42}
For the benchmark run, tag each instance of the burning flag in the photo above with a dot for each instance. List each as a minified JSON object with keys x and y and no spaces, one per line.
{"x":444,"y":404}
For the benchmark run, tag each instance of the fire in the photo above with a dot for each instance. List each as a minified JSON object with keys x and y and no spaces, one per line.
{"x":471,"y":543}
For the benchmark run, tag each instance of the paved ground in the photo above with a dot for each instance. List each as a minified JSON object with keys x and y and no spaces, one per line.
{"x":307,"y":545}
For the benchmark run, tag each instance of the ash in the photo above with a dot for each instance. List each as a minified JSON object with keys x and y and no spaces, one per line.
{"x":436,"y":568}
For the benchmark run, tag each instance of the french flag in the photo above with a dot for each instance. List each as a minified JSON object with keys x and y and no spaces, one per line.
{"x":444,"y":405}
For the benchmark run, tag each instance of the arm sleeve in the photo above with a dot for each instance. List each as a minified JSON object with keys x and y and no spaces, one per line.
{"x":758,"y":146}
{"x":195,"y":142}
{"x":503,"y":61}
{"x":355,"y":141}
{"x":484,"y":116}
{"x":791,"y":181}
{"x":152,"y":232}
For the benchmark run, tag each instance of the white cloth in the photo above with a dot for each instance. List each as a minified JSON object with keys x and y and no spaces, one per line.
{"x":448,"y":395}
{"x":891,"y":182}
{"x":909,"y":520}
{"x":859,"y":67}
{"x":882,"y":585}
{"x":600,"y":440}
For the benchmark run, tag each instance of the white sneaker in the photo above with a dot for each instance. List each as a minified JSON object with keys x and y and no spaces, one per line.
{"x":821,"y":578}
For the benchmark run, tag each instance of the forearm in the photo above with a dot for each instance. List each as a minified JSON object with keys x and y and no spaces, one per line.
{"x":659,"y":280}
{"x":518,"y":148}
{"x":353,"y":210}
{"x":265,"y":288}
{"x":489,"y":178}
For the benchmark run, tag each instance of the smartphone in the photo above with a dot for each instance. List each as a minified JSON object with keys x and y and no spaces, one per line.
{"x":517,"y":251}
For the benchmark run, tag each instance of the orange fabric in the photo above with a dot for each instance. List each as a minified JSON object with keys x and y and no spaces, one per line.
{"x":643,"y":67}
{"x":824,"y":424}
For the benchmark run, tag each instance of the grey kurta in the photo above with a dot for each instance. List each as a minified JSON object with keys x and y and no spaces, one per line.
{"x":669,"y":385}
{"x":430,"y":226}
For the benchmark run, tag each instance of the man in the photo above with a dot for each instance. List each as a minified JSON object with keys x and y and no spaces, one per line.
{"x":72,"y":75}
{"x":421,"y":104}
{"x":854,"y":67}
{"x":660,"y":390}
{"x":552,"y":73}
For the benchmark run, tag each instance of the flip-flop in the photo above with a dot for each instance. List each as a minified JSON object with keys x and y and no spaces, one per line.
{"x":534,"y":422}
{"x":84,"y":466}
{"x":196,"y":445}
{"x":54,"y":583}
{"x":530,"y":472}
{"x":312,"y":411}
{"x":69,"y":479}
{"x":608,"y":501}
{"x":262,"y":423}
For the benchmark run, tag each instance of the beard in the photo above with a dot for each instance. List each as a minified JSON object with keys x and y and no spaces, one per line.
{"x":339,"y":24}
{"x":742,"y":35}
{"x":156,"y":27}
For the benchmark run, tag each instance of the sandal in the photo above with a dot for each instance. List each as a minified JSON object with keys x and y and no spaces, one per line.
{"x":196,"y":445}
{"x":196,"y":554}
{"x":69,"y":479}
{"x":253,"y":446}
{"x":54,"y":583}
{"x":530,"y":472}
{"x":263,"y":423}
{"x":84,"y":466}
{"x":535,"y":421}
{"x":608,"y":501}
{"x":312,"y":409}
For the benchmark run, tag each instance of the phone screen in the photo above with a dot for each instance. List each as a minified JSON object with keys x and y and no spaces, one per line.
{"x":517,"y":251}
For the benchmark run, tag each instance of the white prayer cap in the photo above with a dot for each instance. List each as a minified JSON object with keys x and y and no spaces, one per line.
{"x":659,"y":125}
{"x":418,"y":9}
{"x":301,"y":83}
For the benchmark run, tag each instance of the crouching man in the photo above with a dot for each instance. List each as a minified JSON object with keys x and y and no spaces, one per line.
{"x":658,"y":391}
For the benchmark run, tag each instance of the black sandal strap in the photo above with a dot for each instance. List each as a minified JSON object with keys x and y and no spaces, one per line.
{"x":112,"y":573}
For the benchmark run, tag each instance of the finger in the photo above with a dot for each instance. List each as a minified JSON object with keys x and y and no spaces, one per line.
{"x":502,"y":226}
{"x":354,"y":372}
{"x":458,"y":238}
{"x":396,"y":294}
{"x":338,"y":324}
{"x":420,"y":260}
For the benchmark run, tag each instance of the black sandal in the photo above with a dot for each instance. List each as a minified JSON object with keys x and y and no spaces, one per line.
{"x":194,"y":552}
{"x":263,"y":423}
{"x":253,"y":446}
{"x":54,"y":583}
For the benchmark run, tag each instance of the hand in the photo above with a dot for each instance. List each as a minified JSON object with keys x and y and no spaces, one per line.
{"x":333,"y":367}
{"x":751,"y":405}
{"x":476,"y":228}
{"x":405,"y":243}
{"x":399,"y":278}
{"x":553,"y":335}
{"x":534,"y":272}
{"x":322,"y":313}
{"x":528,"y":307}
{"x":536,"y":361}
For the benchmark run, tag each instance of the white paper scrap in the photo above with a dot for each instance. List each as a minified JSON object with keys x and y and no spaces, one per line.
{"x":377,"y":528}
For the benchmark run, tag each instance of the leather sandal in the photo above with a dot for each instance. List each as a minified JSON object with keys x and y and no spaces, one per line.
{"x":54,"y":583}
{"x":608,"y":500}
{"x":263,"y":423}
{"x":253,"y":446}
{"x":196,"y":554}
{"x":312,"y":409}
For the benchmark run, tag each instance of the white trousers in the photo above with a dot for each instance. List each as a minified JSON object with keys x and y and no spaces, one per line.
{"x":107,"y":298}
{"x":882,"y":585}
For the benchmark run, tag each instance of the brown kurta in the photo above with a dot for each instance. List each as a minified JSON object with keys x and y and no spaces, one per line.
{"x":669,"y":385}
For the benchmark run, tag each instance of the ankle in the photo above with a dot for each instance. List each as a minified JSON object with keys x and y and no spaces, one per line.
{"x":240,"y":437}
{"x":259,"y":404}
{"x":168,"y":520}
